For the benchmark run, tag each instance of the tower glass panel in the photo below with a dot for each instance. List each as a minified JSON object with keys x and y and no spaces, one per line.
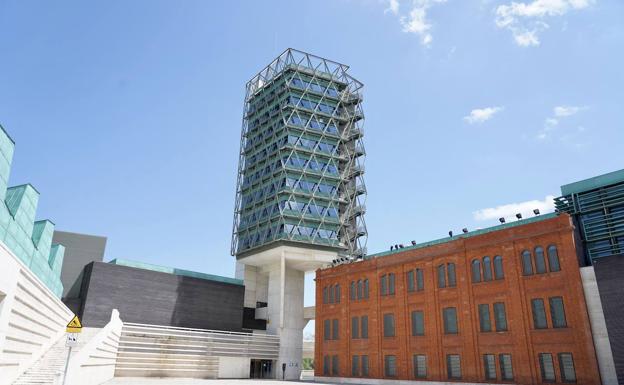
{"x":300,"y":176}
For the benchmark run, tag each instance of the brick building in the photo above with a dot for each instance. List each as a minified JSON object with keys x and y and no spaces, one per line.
{"x":503,"y":304}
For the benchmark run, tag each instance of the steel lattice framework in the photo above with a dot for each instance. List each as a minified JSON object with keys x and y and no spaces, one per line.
{"x":301,"y":166}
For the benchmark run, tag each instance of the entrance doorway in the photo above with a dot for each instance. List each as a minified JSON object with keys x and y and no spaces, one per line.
{"x":261,"y":369}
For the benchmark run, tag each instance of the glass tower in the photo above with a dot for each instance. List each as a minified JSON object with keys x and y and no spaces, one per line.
{"x":300,"y":175}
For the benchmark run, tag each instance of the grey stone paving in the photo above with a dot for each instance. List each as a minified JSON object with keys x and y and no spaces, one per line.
{"x":185,"y":381}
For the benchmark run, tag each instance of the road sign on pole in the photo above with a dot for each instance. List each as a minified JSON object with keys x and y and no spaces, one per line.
{"x":73,"y":328}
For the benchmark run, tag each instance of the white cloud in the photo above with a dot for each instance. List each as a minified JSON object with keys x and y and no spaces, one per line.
{"x":480,"y":115}
{"x":393,"y":7}
{"x":510,"y":210}
{"x":559,"y":112}
{"x":563,"y":111}
{"x":525,"y":20}
{"x":415,"y":19}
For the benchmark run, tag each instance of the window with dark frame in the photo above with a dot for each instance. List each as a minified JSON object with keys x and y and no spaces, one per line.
{"x":420,"y":366}
{"x":355,"y":327}
{"x":388,"y":325}
{"x":335,"y":365}
{"x":420,"y":280}
{"x":390,"y":366}
{"x":364,"y":362}
{"x":364,"y":326}
{"x":355,"y":366}
{"x":327,"y":330}
{"x":475,"y":267}
{"x":500,"y":317}
{"x":539,"y":314}
{"x":540,"y":262}
{"x":499,"y":272}
{"x":453,"y":366}
{"x":557,"y":312}
{"x":418,"y":323}
{"x":527,"y":264}
{"x":335,"y":331}
{"x":547,"y":367}
{"x":506,"y":368}
{"x":487,"y":269}
{"x":485,"y":324}
{"x":452,"y":277}
{"x":449,"y":316}
{"x":553,"y":259}
{"x":442,"y":276}
{"x":489,"y":366}
{"x":566,"y":367}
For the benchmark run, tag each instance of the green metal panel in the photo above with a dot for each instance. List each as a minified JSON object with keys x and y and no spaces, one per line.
{"x":301,"y":162}
{"x":466,"y":235}
{"x":173,"y":270}
{"x":30,"y":241}
{"x":593,"y":183}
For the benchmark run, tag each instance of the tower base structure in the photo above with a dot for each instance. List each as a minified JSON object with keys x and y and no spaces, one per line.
{"x":276,"y":278}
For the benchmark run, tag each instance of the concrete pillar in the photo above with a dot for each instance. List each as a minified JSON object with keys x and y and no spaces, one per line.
{"x":285,"y":316}
{"x":599,"y":327}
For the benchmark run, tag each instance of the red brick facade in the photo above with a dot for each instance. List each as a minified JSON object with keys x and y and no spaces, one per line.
{"x":522,"y":340}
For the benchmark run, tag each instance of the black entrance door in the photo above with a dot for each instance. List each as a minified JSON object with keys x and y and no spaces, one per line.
{"x":261,"y":369}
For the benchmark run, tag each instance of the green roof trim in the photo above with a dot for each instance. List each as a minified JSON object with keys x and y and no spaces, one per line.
{"x":593,"y":183}
{"x":173,"y":270}
{"x":470,"y":234}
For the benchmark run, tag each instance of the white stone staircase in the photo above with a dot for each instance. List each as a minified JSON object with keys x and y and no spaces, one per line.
{"x":48,"y":370}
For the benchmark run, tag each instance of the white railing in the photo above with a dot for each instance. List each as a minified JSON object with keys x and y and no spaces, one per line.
{"x":95,"y":362}
{"x":174,"y":351}
{"x":32,"y":318}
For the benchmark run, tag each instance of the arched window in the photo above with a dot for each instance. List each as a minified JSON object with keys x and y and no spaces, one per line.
{"x":487,"y":269}
{"x":338,"y":293}
{"x":441,"y":276}
{"x":540,"y":262}
{"x":325,"y":294}
{"x":476,"y":271}
{"x":527,"y":266}
{"x":498,"y":267}
{"x":553,"y":258}
{"x":452,"y":279}
{"x":360,"y":294}
{"x":352,"y":291}
{"x":331,"y":294}
{"x":366,"y":288}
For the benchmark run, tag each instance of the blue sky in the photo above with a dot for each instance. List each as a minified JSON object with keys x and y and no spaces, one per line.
{"x":127,"y":114}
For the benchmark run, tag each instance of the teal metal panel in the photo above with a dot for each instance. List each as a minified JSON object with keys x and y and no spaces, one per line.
{"x":467,"y":235}
{"x":175,"y":271}
{"x":30,"y":241}
{"x":593,"y":183}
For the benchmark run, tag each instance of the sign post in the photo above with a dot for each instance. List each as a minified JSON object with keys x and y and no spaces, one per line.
{"x":74,"y":327}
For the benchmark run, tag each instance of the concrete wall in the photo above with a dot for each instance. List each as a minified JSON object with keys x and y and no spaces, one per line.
{"x":150,"y":297}
{"x":80,"y":250}
{"x":94,"y":363}
{"x":234,"y":367}
{"x":32,"y":318}
{"x":610,"y":277}
{"x":599,"y":327}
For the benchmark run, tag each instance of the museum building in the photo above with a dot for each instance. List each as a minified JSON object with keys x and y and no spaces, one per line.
{"x":502,"y":304}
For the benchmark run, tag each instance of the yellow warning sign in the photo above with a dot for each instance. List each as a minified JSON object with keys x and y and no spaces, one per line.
{"x":74,"y":326}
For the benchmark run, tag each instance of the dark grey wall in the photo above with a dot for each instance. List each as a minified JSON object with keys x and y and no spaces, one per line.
{"x":610,"y":277}
{"x":145,"y":296}
{"x":80,"y":250}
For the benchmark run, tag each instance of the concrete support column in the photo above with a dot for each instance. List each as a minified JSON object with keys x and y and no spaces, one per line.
{"x":285,"y":316}
{"x":602,"y":344}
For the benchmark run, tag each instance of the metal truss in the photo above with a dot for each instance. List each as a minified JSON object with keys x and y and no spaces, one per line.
{"x":301,"y":165}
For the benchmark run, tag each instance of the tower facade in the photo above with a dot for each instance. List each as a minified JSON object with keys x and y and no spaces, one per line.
{"x":300,"y":195}
{"x":300,"y":176}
